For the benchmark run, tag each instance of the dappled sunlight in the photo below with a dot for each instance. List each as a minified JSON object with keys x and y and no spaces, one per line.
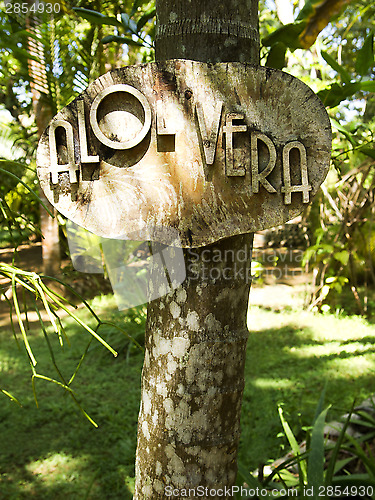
{"x":62,"y":475}
{"x":53,"y":452}
{"x":271,"y":383}
{"x":57,"y":468}
{"x":291,"y":356}
{"x":333,"y":349}
{"x":355,"y":366}
{"x":9,"y":363}
{"x":324,"y":325}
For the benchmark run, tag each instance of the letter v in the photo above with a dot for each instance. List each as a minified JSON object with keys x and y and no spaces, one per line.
{"x":209,"y":136}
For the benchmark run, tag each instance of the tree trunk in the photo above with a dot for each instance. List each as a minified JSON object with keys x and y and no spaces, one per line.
{"x":51,"y":256}
{"x":49,"y":226}
{"x":193,"y":374}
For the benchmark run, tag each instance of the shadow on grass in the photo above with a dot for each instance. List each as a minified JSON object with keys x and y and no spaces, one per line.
{"x":54,"y":452}
{"x":289,"y":364}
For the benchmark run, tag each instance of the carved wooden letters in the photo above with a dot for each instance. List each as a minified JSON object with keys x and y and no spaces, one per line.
{"x":208,"y":150}
{"x":209,"y":137}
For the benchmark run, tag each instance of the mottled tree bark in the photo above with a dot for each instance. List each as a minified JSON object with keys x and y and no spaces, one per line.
{"x":193,"y":375}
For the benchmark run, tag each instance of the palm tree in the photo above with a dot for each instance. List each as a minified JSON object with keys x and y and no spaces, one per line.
{"x":56,"y":56}
{"x":189,"y":420}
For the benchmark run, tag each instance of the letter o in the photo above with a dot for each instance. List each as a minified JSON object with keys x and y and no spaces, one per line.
{"x":94,"y":121}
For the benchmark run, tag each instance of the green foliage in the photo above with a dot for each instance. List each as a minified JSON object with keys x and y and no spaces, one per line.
{"x":53,"y":58}
{"x":52,"y":453}
{"x":290,"y":357}
{"x":302,"y":468}
{"x":45,"y":298}
{"x":320,"y":471}
{"x":133,"y":25}
{"x":17,"y":199}
{"x":301,"y":34}
{"x":339,"y":65}
{"x":342,"y":254}
{"x":288,"y":35}
{"x":48,"y":305}
{"x":365,"y":56}
{"x":315,"y":473}
{"x":310,"y":21}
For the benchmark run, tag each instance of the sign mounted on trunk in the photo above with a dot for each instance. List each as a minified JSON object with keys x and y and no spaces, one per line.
{"x":209,"y":150}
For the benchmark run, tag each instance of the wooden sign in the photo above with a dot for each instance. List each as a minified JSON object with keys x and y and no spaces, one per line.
{"x":208,"y":150}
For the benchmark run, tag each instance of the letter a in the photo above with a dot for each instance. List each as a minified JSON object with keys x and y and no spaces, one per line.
{"x":305,"y":187}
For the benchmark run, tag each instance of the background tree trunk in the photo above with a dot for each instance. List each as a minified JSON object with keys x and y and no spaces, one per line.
{"x":193,"y":374}
{"x":43,"y":111}
{"x":51,"y":255}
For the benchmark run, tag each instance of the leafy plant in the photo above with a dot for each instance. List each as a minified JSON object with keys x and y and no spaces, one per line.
{"x":319,"y":468}
{"x":38,"y":293}
{"x":132,"y":25}
{"x":17,"y":199}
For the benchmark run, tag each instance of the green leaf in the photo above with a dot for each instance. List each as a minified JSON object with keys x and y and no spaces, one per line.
{"x":367,"y":86}
{"x":334,"y":465}
{"x":315,"y":468}
{"x":121,"y":39}
{"x":312,"y":8}
{"x":368,"y":461}
{"x":365,"y":56}
{"x":151,"y":13}
{"x":342,"y":257}
{"x":343,"y":130}
{"x":317,"y":14}
{"x":247,"y":477}
{"x":20,"y":323}
{"x":7,"y":163}
{"x":129,"y":23}
{"x":320,"y":404}
{"x":22,"y":54}
{"x":80,"y":322}
{"x":313,"y":17}
{"x":336,"y":66}
{"x":353,"y":480}
{"x":276,"y":56}
{"x":96,"y":17}
{"x":295,"y":447}
{"x":288,"y":35}
{"x":333,"y":95}
{"x":366,"y":150}
{"x":10,"y":396}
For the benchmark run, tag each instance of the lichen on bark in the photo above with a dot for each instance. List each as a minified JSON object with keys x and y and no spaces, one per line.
{"x":192,"y":381}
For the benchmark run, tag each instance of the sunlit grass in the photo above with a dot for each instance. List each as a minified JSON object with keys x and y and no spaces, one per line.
{"x":57,"y":468}
{"x":291,"y":356}
{"x":54,"y":453}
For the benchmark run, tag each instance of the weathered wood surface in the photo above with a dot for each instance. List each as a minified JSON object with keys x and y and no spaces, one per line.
{"x":208,"y":150}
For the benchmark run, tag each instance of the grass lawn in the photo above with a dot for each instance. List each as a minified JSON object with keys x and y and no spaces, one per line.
{"x":291,"y":356}
{"x":53,"y":452}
